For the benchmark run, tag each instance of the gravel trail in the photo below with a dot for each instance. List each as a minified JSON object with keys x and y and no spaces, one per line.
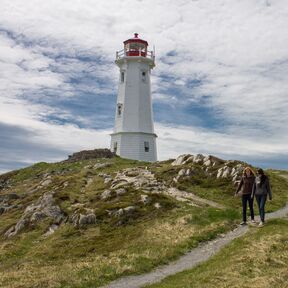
{"x":196,"y":256}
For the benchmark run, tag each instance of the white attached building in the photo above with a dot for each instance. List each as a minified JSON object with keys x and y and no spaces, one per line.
{"x":133,"y":135}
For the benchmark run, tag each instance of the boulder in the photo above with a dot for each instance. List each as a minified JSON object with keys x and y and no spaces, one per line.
{"x":107,"y":180}
{"x":106,"y":195}
{"x":182,"y":159}
{"x":132,"y":172}
{"x":219,"y":173}
{"x":34,"y":213}
{"x":101,"y":165}
{"x":37,"y":216}
{"x":120,"y":183}
{"x":120,"y":191}
{"x":198,"y":159}
{"x":87,"y":219}
{"x":119,"y":212}
{"x":12,"y":231}
{"x":226,"y":172}
{"x":129,"y":210}
{"x":182,"y":172}
{"x":45,"y":183}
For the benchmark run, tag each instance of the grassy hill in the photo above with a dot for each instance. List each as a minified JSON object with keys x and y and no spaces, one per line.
{"x":83,"y":223}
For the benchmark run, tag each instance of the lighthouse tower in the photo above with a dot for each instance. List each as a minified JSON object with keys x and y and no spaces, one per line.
{"x":133,"y":136}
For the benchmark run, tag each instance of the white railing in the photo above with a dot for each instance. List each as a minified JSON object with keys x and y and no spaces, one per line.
{"x":122,"y":53}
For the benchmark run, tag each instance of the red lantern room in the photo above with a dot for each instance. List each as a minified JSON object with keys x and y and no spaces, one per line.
{"x":135,"y":46}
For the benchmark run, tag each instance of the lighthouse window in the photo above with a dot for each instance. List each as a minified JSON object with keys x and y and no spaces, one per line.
{"x":146,"y":146}
{"x":122,"y":76}
{"x":143,"y":76}
{"x":119,"y":109}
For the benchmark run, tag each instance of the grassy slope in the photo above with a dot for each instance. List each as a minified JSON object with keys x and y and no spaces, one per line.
{"x":89,"y":257}
{"x":258,"y":260}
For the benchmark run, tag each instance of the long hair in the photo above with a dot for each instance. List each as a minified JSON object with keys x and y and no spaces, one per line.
{"x":262,"y":176}
{"x":248,"y":169}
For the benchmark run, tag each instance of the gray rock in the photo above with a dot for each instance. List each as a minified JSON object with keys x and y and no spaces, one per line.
{"x":129,"y":210}
{"x":119,"y":212}
{"x":157,"y":205}
{"x":65,"y":184}
{"x":132,"y":173}
{"x":37,"y":216}
{"x":106,"y":195}
{"x":182,"y":172}
{"x":145,"y":199}
{"x":107,"y":180}
{"x":22,"y":223}
{"x":119,"y":184}
{"x":45,"y":182}
{"x":101,"y":165}
{"x":44,"y":207}
{"x":120,"y":191}
{"x":87,"y":219}
{"x":182,"y":159}
{"x":198,"y":159}
{"x":226,"y":172}
{"x":219,"y":173}
{"x":51,"y":230}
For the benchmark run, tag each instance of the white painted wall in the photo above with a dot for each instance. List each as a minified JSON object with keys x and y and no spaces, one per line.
{"x":135,"y":124}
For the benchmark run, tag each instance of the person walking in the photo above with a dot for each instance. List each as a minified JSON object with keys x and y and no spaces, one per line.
{"x":261,"y":189}
{"x":246,"y":186}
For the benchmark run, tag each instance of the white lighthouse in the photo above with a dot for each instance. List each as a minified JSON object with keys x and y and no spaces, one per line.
{"x":133,"y":136}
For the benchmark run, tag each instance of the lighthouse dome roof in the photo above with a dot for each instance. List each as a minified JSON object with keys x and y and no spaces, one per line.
{"x":135,"y":40}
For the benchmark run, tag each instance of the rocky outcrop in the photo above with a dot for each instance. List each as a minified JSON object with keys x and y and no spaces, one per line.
{"x":197,"y":159}
{"x":90,"y":154}
{"x":227,"y":169}
{"x":183,"y":159}
{"x":233,"y":172}
{"x":7,"y":202}
{"x":80,"y":220}
{"x":45,"y":207}
{"x":137,"y":178}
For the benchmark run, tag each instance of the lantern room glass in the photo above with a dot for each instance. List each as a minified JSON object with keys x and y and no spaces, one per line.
{"x":135,"y":49}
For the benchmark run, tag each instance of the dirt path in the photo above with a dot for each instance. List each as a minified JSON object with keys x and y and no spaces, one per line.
{"x":189,"y":196}
{"x":191,"y":259}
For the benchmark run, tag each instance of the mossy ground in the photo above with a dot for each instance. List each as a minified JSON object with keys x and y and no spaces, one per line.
{"x":92,"y":256}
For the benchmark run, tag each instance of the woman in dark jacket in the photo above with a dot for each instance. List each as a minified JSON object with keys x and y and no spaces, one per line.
{"x":246,"y":184}
{"x":261,"y":189}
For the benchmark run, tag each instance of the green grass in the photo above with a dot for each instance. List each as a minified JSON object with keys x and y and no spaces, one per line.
{"x":258,"y":260}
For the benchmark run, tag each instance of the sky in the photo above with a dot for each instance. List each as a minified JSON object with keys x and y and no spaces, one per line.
{"x":219,"y":87}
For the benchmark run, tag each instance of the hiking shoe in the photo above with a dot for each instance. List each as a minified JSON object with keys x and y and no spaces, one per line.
{"x":253,"y":221}
{"x":261,"y":224}
{"x":243,"y":223}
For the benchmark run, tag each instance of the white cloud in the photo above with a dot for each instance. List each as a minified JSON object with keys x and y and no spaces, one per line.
{"x":236,"y":49}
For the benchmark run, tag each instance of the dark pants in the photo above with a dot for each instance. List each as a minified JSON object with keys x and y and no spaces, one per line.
{"x":245,"y":199}
{"x":261,"y":200}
